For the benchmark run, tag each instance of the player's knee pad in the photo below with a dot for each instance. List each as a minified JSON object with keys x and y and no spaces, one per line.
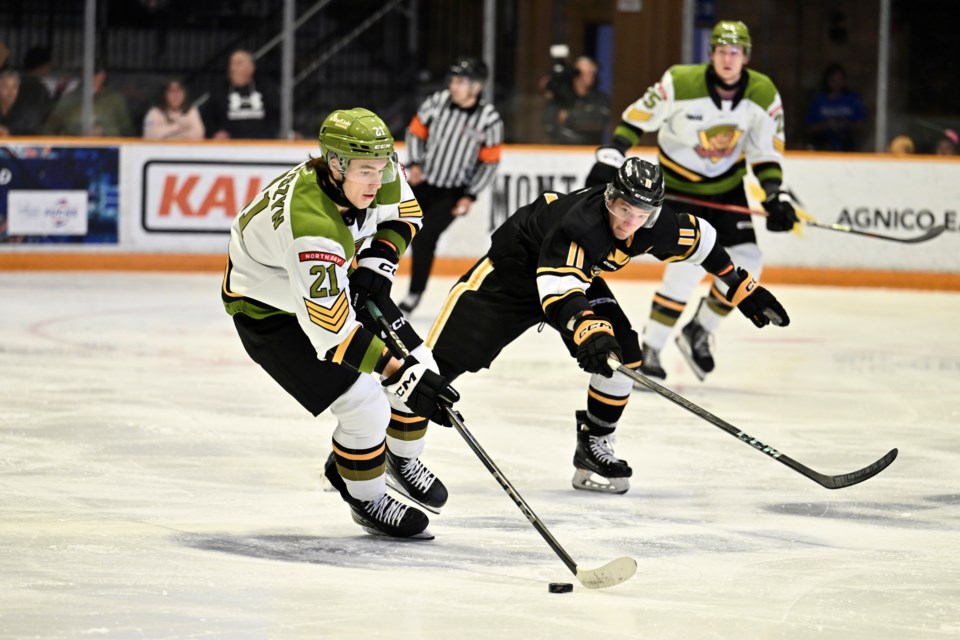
{"x":362,"y":414}
{"x":618,"y":385}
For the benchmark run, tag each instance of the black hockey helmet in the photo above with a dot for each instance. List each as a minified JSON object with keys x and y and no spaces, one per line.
{"x":638,"y":182}
{"x":472,"y":68}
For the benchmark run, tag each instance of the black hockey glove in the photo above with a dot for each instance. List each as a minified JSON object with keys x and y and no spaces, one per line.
{"x":373,"y":277}
{"x":605,"y":168}
{"x":425,"y":392}
{"x":781,"y":215}
{"x":595,"y":341}
{"x":755,"y":302}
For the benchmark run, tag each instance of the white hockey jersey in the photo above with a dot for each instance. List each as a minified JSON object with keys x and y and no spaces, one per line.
{"x":291,"y":251}
{"x":704,"y":143}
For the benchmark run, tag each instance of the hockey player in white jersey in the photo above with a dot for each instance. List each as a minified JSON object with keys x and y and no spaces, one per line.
{"x":300,"y":310}
{"x":713,"y":120}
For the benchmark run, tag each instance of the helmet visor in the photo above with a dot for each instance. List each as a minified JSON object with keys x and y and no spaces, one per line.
{"x":642,"y":214}
{"x":370,"y":170}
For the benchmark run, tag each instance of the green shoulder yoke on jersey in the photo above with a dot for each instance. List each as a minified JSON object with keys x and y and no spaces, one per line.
{"x":760,"y":89}
{"x":689,"y":81}
{"x":314,"y":214}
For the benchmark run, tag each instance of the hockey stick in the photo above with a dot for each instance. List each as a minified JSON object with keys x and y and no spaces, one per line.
{"x":830,"y":482}
{"x":929,"y":234}
{"x":610,"y":574}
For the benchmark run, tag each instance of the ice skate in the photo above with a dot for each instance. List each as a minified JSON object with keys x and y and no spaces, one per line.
{"x":650,"y":367}
{"x":694,"y":344}
{"x":408,"y":304}
{"x":383,"y":516}
{"x":411,"y":478}
{"x":597,"y":468}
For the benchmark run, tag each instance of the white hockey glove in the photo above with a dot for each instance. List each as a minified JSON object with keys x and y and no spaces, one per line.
{"x":605,"y":168}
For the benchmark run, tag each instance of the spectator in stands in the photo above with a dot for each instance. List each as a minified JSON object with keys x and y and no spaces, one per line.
{"x":4,"y":55}
{"x":171,"y":118}
{"x":243,"y":107}
{"x":836,"y":115}
{"x":576,"y":112}
{"x":947,"y":144}
{"x":39,"y":86}
{"x":901,"y":146}
{"x":111,"y":117}
{"x":16,"y":119}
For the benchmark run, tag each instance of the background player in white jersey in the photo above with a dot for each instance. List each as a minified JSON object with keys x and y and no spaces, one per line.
{"x":544,"y":267}
{"x":713,"y":120}
{"x":301,"y":315}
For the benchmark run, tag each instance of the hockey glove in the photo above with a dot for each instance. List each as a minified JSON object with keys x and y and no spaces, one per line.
{"x":425,"y":392}
{"x":605,"y":168}
{"x":373,"y":277}
{"x":595,"y":341}
{"x":755,"y":302}
{"x":781,"y":215}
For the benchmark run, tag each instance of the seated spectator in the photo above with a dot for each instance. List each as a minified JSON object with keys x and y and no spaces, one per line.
{"x":172,"y":118}
{"x":16,"y":118}
{"x":110,"y":114}
{"x":836,"y":115}
{"x":240,"y":108}
{"x":901,"y":146}
{"x":947,"y":144}
{"x":39,"y":86}
{"x":577,"y":112}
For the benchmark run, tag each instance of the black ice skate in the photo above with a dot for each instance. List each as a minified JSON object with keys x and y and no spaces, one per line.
{"x":650,"y":367}
{"x":411,"y":478}
{"x":694,"y":344}
{"x":383,"y":516}
{"x":598,"y":469}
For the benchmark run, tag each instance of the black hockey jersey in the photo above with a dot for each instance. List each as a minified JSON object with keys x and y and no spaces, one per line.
{"x":561,"y":242}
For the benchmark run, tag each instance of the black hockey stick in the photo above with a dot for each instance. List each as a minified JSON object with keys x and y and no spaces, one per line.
{"x":830,"y":482}
{"x":929,"y":234}
{"x":610,"y":574}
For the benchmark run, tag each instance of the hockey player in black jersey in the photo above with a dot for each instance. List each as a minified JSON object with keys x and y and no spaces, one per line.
{"x":544,"y":266}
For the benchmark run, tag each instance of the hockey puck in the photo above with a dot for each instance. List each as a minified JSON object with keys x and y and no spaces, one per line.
{"x":560,"y":587}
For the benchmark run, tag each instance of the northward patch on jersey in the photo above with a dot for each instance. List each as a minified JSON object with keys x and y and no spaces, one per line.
{"x":321,"y":256}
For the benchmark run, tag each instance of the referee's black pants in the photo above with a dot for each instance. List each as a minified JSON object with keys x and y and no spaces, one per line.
{"x":437,"y":206}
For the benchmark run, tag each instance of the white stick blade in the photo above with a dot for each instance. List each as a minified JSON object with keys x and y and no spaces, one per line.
{"x":610,"y":574}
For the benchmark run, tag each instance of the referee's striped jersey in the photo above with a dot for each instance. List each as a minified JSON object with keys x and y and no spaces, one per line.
{"x":455,"y":147}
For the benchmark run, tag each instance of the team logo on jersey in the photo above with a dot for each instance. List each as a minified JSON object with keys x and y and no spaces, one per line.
{"x":321,"y":256}
{"x":717,"y":143}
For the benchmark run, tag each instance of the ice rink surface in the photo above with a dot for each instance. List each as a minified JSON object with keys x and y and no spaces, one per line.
{"x":154,"y":483}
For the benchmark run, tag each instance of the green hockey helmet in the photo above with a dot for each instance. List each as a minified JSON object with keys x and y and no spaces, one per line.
{"x":732,"y":32}
{"x":358,"y":134}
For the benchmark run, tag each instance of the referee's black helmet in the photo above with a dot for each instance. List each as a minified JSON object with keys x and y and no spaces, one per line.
{"x":472,"y":68}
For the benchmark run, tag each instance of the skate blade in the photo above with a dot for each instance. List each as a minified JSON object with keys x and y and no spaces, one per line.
{"x":423,"y":535}
{"x":688,"y":356}
{"x":586,"y":480}
{"x":397,"y":487}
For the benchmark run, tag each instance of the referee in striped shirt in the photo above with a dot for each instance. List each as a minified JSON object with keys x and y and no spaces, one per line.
{"x":453,"y":147}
